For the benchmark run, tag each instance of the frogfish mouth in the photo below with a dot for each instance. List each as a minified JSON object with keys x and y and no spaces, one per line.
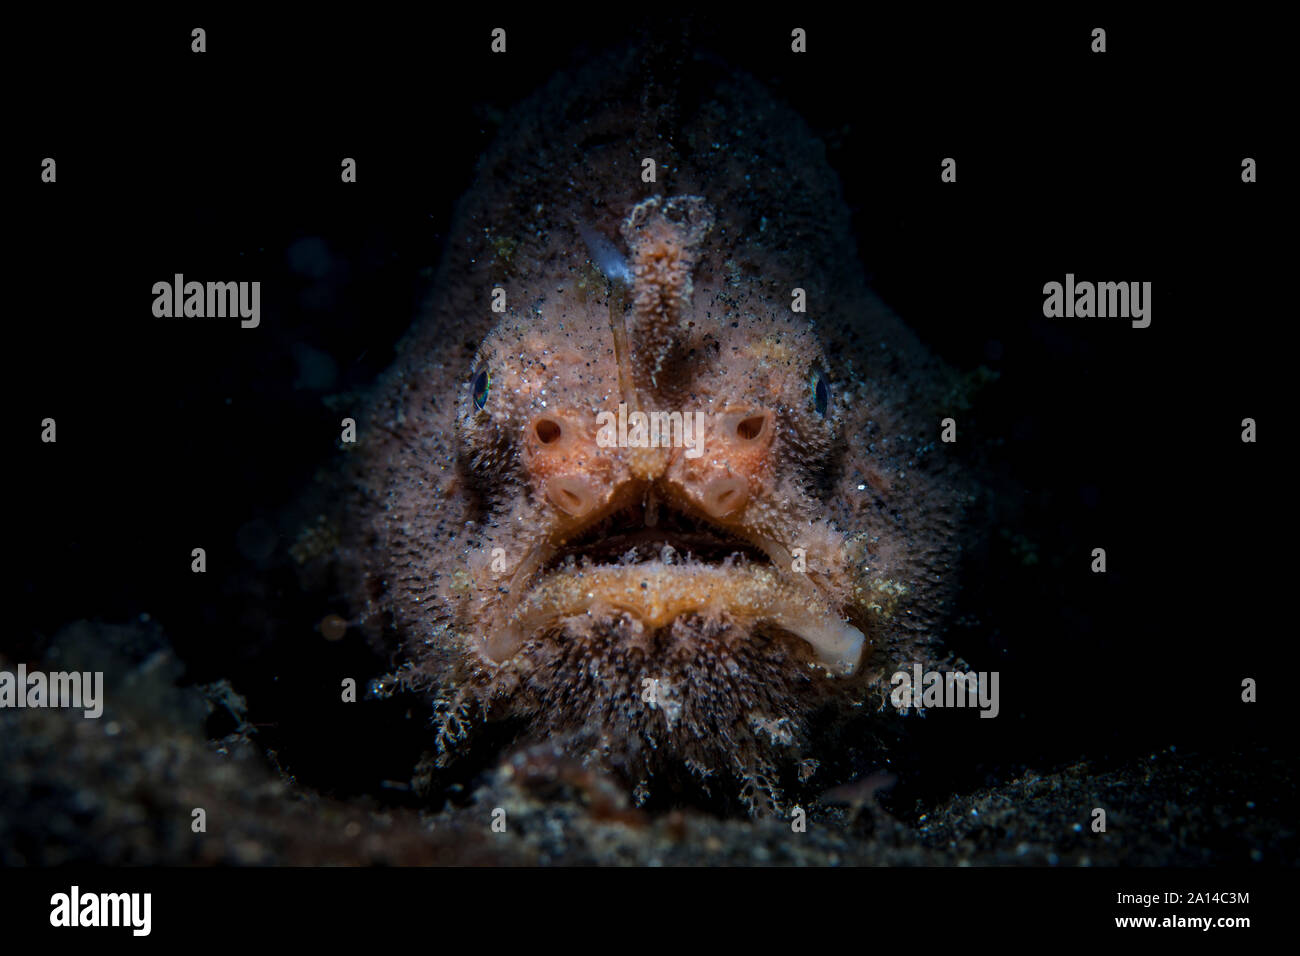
{"x":656,"y":478}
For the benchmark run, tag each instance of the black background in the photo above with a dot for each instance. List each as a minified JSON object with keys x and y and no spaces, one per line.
{"x":1122,"y":166}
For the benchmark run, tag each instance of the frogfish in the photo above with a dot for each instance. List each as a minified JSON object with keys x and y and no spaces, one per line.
{"x":656,"y":478}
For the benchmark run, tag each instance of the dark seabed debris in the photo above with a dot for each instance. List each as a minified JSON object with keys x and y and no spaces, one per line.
{"x":122,"y":789}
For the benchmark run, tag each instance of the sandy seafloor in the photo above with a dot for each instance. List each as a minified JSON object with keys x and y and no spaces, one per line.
{"x":121,"y":790}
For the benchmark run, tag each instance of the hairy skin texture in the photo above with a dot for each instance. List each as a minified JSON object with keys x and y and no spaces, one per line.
{"x":675,"y":620}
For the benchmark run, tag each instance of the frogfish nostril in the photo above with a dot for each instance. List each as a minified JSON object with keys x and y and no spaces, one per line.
{"x":574,"y":496}
{"x":724,"y":496}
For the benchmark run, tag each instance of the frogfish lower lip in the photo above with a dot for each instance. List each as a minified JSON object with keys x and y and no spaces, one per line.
{"x":655,"y":593}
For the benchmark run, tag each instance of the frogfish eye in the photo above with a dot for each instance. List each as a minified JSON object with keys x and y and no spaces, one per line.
{"x":821,"y":394}
{"x":479,"y":388}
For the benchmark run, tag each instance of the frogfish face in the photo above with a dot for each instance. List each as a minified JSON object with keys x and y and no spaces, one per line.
{"x":666,"y":458}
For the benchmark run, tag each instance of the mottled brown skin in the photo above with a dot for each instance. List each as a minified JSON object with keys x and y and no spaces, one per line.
{"x":582,"y":605}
